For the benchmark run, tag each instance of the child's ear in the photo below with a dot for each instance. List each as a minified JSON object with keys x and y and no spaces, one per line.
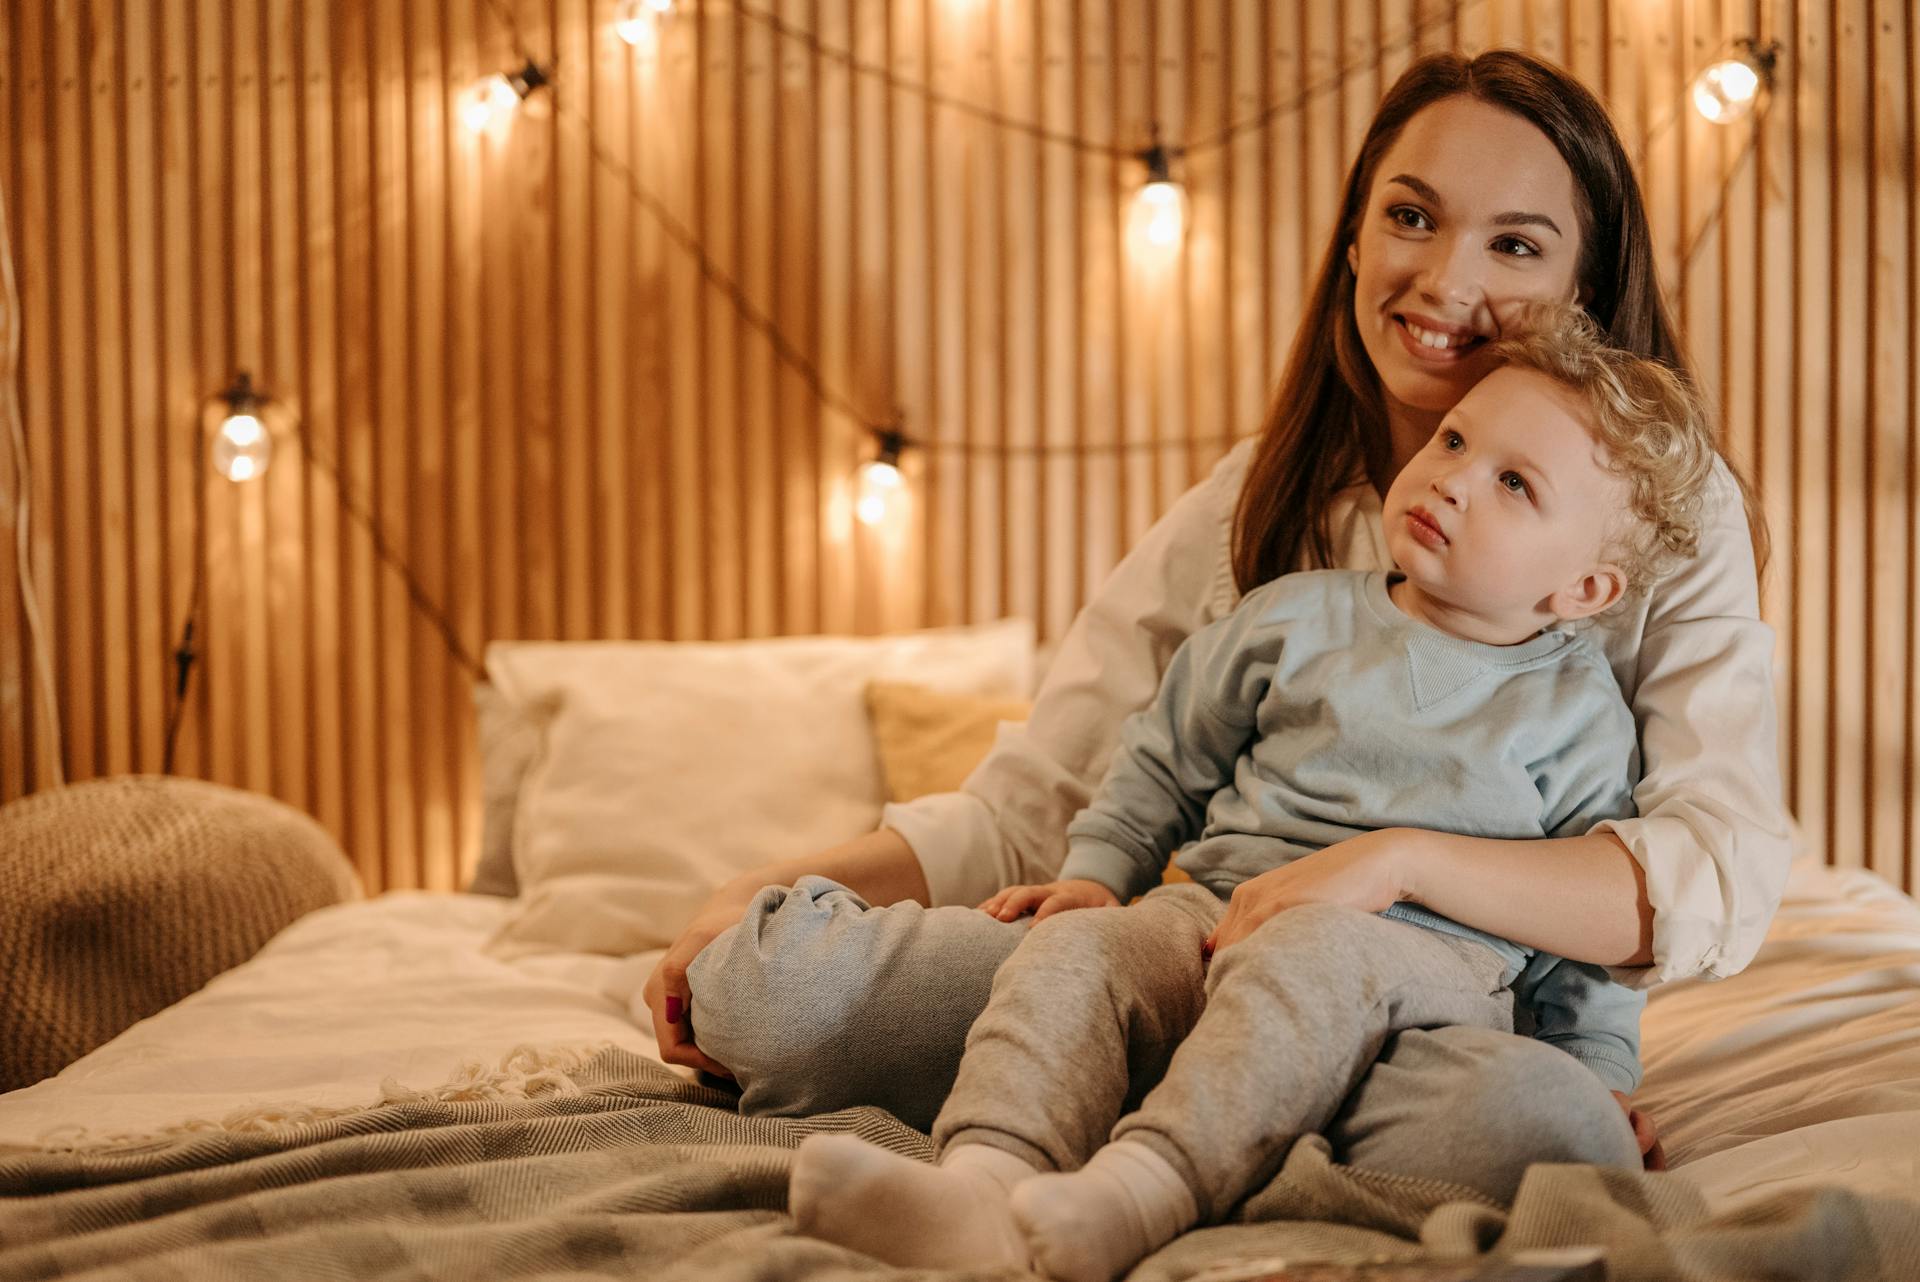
{"x":1589,"y":594}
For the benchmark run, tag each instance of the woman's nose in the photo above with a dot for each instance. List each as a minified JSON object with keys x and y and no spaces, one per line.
{"x":1450,"y":278}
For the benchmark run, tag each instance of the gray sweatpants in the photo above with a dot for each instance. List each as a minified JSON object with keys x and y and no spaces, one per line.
{"x":1100,"y":1010}
{"x":818,"y":1002}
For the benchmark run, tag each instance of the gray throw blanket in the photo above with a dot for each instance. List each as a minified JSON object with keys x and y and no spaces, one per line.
{"x":643,"y":1175}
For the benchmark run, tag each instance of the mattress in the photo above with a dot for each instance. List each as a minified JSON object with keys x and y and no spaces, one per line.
{"x":1804,"y":1069}
{"x":394,"y":989}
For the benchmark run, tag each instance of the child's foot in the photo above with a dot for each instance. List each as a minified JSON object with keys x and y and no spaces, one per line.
{"x":1100,"y":1221}
{"x":904,"y":1212}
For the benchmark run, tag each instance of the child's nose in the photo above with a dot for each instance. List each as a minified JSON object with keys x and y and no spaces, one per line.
{"x":1448,"y":486}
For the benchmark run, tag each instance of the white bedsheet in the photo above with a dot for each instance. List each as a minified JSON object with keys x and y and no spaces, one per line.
{"x":1803,"y":1069}
{"x":390,"y":987}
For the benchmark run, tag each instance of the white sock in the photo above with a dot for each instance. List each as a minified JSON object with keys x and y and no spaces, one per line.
{"x":1101,"y":1220}
{"x":907,"y":1213}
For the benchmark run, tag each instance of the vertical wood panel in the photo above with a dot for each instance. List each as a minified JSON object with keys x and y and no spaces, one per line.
{"x":499,"y":349}
{"x":1890,"y":349}
{"x":16,"y":701}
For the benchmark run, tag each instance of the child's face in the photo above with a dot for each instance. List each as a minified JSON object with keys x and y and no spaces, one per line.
{"x":1503,"y":516}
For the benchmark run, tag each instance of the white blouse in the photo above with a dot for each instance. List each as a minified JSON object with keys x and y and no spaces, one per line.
{"x":1692,"y":657}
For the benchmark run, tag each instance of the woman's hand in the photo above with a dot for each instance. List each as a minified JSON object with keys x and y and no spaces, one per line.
{"x":1053,"y":897}
{"x":1652,"y":1156}
{"x":666,"y":991}
{"x":1361,"y":872}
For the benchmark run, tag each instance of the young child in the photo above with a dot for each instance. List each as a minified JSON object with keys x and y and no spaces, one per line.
{"x":1450,"y":696}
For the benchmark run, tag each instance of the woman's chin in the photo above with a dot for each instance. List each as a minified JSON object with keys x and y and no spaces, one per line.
{"x":1430,"y":389}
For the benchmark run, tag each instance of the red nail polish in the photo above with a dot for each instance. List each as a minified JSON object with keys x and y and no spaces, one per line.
{"x":673,"y":1010}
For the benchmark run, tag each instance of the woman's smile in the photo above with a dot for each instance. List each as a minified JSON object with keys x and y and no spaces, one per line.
{"x":1427,"y":340}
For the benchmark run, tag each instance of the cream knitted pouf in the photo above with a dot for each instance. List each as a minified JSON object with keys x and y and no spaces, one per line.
{"x":120,"y":896}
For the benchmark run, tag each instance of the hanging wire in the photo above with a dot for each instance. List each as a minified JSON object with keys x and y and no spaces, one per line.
{"x":384,"y":553}
{"x":939,"y":98}
{"x":23,"y":478}
{"x":1000,"y":119}
{"x":1297,"y":102}
{"x":184,"y":655}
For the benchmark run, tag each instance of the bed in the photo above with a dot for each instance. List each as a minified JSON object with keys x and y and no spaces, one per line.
{"x":434,"y":1085}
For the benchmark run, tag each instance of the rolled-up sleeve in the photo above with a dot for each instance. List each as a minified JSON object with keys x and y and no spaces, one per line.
{"x":1008,"y":823}
{"x":1712,"y":832}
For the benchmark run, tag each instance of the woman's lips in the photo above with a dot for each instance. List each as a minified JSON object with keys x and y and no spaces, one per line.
{"x":1425,"y":529}
{"x":1435,"y":355}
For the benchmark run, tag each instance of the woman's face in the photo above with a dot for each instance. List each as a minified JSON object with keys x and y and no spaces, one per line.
{"x":1472,"y":213}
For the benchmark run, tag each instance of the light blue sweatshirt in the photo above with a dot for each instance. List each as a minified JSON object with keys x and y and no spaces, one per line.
{"x":1317,"y":711}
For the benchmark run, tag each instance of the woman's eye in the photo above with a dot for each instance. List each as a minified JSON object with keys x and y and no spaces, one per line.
{"x":1517,"y":247}
{"x":1411,"y":218}
{"x":1515,"y":483}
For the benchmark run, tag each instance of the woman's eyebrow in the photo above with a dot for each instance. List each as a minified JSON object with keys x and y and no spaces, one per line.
{"x":1421,"y":189}
{"x":1512,"y":218}
{"x":1519,"y":218}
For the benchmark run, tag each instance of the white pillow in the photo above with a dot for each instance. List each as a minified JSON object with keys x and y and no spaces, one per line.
{"x":665,"y":768}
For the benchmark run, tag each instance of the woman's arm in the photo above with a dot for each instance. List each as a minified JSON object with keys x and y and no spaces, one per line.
{"x":1584,"y":898}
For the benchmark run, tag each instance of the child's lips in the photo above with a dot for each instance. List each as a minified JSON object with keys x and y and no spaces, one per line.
{"x":1423,"y":527}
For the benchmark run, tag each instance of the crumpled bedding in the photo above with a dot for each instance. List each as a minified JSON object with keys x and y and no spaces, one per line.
{"x":1793,"y":1088}
{"x":635,"y":1172}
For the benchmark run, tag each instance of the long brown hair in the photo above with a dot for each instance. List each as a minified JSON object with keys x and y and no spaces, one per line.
{"x":1327,"y":425}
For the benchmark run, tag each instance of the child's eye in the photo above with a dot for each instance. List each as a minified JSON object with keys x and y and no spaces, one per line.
{"x":1412,"y":217}
{"x":1515,"y":483}
{"x":1452,"y":440}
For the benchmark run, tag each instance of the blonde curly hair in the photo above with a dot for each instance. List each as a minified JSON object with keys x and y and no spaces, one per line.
{"x":1648,"y":420}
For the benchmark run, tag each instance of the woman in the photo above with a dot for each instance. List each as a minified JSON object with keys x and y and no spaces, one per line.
{"x":1481,"y":186}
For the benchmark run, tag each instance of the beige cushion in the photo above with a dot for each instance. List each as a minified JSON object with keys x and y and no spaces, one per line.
{"x":662,"y":769}
{"x":930,"y":740}
{"x":120,"y":896}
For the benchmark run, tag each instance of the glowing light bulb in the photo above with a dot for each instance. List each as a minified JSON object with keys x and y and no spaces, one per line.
{"x":241,"y":448}
{"x":1161,"y":212}
{"x":488,"y":100}
{"x":1725,"y":91}
{"x":1159,"y":219}
{"x":636,"y":21}
{"x":880,"y":480}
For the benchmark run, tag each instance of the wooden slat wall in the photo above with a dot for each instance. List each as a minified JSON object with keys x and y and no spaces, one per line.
{"x":513,"y":376}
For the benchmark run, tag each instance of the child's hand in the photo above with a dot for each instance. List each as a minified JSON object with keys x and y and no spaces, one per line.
{"x":1652,"y":1156}
{"x":1054,"y":897}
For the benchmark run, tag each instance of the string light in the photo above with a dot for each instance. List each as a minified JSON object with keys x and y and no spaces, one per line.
{"x":1726,"y":90}
{"x":634,"y":21}
{"x":495,"y":97}
{"x":242,"y":446}
{"x":880,"y":477}
{"x":1160,"y":208}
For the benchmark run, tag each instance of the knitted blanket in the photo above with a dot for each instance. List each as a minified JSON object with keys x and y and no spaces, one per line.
{"x":118,"y":897}
{"x":628,"y":1171}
